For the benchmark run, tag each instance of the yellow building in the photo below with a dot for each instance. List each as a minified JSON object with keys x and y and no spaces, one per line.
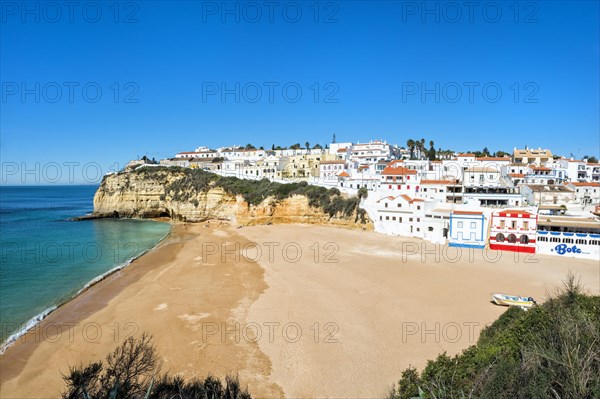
{"x":304,"y":166}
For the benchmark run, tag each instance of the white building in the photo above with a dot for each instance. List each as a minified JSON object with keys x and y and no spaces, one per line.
{"x":540,"y":194}
{"x":592,"y":172}
{"x":513,"y":230}
{"x":334,"y":148}
{"x":467,"y":229}
{"x":585,"y":193}
{"x":569,"y":237}
{"x":181,"y":162}
{"x":370,"y":152}
{"x":399,"y":215}
{"x":242,"y":154}
{"x":438,"y":190}
{"x":481,"y":177}
{"x":331,"y":169}
{"x":575,"y":169}
{"x":399,"y":180}
{"x":197,"y":154}
{"x":436,"y":223}
{"x":545,"y":175}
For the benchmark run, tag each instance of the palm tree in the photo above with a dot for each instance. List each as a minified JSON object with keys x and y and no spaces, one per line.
{"x":431,"y":153}
{"x":410,"y":143}
{"x":307,"y":145}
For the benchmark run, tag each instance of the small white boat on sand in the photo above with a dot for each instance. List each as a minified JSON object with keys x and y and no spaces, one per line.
{"x":513,"y":300}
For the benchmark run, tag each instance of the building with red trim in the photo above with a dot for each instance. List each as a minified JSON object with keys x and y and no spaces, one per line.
{"x":513,"y":230}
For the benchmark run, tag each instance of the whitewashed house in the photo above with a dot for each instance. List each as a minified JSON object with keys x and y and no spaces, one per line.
{"x":513,"y":230}
{"x":467,"y":229}
{"x":400,"y":215}
{"x":370,"y":152}
{"x":585,"y":193}
{"x":436,"y":223}
{"x":331,"y":169}
{"x":399,"y":180}
{"x":197,"y":154}
{"x":540,"y":194}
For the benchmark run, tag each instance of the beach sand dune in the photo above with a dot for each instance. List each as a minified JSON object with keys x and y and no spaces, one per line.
{"x":297,"y":311}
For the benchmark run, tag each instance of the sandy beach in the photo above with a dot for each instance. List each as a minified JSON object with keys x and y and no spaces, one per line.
{"x":296,"y":310}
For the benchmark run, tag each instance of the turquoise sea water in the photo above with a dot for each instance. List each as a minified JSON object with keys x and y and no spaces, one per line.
{"x":46,"y":259}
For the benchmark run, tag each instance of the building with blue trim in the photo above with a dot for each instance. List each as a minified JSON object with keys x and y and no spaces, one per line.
{"x":467,"y":229}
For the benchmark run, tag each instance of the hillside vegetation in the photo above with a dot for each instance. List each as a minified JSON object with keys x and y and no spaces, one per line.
{"x":551,"y":351}
{"x":195,"y":181}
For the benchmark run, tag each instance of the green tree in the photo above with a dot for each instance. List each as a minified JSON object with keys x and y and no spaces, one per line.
{"x":431,"y":154}
{"x":362,"y":193}
{"x":410,"y":144}
{"x":296,"y":146}
{"x":591,"y":159}
{"x":307,"y":145}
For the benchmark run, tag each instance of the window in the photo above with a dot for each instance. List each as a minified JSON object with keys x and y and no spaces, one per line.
{"x":502,"y":224}
{"x":554,"y":239}
{"x":524,"y":239}
{"x":410,"y":219}
{"x":418,"y":219}
{"x":430,"y":228}
{"x":512,"y":238}
{"x":400,"y":220}
{"x":418,"y":207}
{"x":399,"y":205}
{"x":500,"y":237}
{"x":581,"y":241}
{"x":543,"y":239}
{"x":418,"y":229}
{"x":525,"y":225}
{"x":513,"y":224}
{"x":473,"y":225}
{"x":380,"y":217}
{"x":594,"y":242}
{"x":460,"y":224}
{"x":568,"y":240}
{"x":386,"y":204}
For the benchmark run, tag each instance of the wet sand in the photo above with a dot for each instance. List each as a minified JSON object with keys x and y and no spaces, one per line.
{"x":300,"y":311}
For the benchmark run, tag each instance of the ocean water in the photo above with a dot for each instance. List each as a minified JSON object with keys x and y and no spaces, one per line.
{"x":46,"y":259}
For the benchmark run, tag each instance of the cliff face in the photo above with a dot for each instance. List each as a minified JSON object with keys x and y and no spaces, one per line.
{"x":149,"y":194}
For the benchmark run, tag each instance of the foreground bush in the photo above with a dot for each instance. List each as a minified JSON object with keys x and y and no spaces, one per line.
{"x":132,"y":371}
{"x":552,"y":351}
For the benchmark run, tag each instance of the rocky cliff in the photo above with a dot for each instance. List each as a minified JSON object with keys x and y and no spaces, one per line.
{"x":195,"y":196}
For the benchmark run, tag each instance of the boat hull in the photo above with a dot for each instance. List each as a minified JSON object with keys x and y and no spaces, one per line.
{"x":512,"y":300}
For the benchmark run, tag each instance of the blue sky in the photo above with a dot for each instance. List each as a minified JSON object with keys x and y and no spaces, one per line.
{"x":501,"y":75}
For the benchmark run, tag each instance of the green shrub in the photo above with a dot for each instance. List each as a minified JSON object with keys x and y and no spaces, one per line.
{"x":132,"y":372}
{"x":549,"y":351}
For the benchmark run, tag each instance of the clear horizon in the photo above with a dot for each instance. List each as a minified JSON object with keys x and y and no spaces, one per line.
{"x":98,"y":85}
